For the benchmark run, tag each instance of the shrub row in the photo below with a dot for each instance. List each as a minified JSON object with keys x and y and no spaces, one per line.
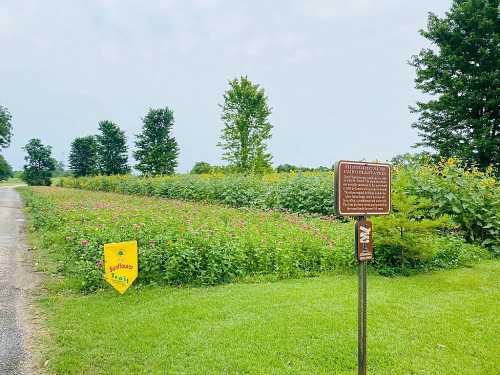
{"x":294,"y":192}
{"x":195,"y":243}
{"x":469,"y":197}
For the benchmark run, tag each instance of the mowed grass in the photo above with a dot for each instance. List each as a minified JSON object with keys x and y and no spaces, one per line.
{"x":446,"y":322}
{"x":11,"y":182}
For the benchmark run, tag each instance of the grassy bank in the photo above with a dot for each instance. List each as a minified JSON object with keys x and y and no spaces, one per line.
{"x":445,"y":322}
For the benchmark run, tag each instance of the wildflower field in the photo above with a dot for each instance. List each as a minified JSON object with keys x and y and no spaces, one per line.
{"x":202,"y":244}
{"x":421,"y":190}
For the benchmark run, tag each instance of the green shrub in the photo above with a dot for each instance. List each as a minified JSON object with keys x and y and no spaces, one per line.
{"x":470,"y":197}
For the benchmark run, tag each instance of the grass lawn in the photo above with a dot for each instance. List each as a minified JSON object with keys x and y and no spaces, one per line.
{"x":446,"y":322}
{"x":12,"y":182}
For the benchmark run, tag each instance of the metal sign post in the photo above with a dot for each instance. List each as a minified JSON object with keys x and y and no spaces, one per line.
{"x":362,"y":278}
{"x":362,"y":189}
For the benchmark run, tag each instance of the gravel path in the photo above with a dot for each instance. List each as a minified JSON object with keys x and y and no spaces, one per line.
{"x":17,"y":279}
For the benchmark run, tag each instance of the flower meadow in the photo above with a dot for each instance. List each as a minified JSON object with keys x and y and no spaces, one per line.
{"x":194,"y":243}
{"x":470,"y":198}
{"x":292,"y":192}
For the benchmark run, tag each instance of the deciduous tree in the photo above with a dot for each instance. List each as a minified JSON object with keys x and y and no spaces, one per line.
{"x":111,"y":149}
{"x":245,"y":114}
{"x":157,"y":149}
{"x":5,"y":127}
{"x":39,"y":163}
{"x":5,"y":169}
{"x":201,"y":167}
{"x":462,"y":74}
{"x":83,"y":156}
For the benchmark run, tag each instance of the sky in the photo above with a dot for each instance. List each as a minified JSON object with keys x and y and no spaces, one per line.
{"x":335,"y":72}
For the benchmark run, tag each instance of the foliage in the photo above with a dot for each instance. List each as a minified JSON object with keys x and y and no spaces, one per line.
{"x":83,"y":156}
{"x":193,"y":243}
{"x":5,"y":169}
{"x":60,"y":170}
{"x":157,"y":149}
{"x":246,"y":129}
{"x":39,"y":163}
{"x":462,"y":120}
{"x":111,"y":149}
{"x":185,"y":243}
{"x":5,"y":127}
{"x":399,"y":235}
{"x":470,"y":197}
{"x":301,"y":193}
{"x":201,"y":167}
{"x":416,"y":159}
{"x":429,"y":193}
{"x":287,"y":168}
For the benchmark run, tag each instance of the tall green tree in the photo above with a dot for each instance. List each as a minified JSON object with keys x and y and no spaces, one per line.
{"x":157,"y":149}
{"x":245,"y":113}
{"x":5,"y":127}
{"x":83,"y":156}
{"x":5,"y":169}
{"x":462,"y":75}
{"x":39,"y":163}
{"x":112,"y":149}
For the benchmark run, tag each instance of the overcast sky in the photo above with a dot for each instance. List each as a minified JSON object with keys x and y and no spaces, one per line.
{"x":335,"y":71}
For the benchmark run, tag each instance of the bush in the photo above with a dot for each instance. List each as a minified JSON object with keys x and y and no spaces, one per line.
{"x":5,"y":169}
{"x":470,"y":197}
{"x":201,"y":167}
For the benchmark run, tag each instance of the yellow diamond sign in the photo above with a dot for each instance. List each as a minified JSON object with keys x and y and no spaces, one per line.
{"x":120,"y":263}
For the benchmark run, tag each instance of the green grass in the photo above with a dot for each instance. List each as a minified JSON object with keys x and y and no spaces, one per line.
{"x":11,"y":182}
{"x":446,"y":322}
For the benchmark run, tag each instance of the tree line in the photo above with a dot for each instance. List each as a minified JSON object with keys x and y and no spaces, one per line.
{"x":245,"y":113}
{"x":461,"y":118}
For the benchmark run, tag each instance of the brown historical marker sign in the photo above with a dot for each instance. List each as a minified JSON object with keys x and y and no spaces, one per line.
{"x":364,"y":240}
{"x":362,"y":188}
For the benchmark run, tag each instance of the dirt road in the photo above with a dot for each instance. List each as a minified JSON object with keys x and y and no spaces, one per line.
{"x":17,"y":280}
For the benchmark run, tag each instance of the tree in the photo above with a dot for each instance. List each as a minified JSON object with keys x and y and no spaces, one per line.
{"x":5,"y":169}
{"x":39,"y":163}
{"x":5,"y":127}
{"x":60,"y":170}
{"x":201,"y":167}
{"x":157,"y":149}
{"x":462,"y":119}
{"x":286,"y":168}
{"x":111,"y":149}
{"x":83,"y":156}
{"x":246,"y":129}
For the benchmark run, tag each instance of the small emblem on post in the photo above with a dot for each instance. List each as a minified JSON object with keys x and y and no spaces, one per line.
{"x":364,"y":240}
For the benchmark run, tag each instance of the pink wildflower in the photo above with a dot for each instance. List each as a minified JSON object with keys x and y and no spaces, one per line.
{"x":84,"y":242}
